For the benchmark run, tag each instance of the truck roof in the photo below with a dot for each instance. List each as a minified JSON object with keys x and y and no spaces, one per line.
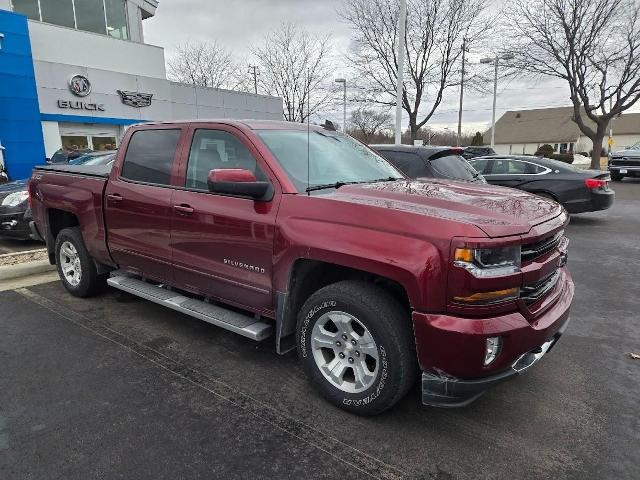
{"x":251,"y":124}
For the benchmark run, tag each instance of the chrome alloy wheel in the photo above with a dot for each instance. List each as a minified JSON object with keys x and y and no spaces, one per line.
{"x":70,"y":264}
{"x":345,"y":352}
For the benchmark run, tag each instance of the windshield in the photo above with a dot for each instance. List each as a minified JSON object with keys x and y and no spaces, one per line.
{"x":455,"y":167}
{"x":333,"y":158}
{"x":93,"y":159}
{"x":635,"y":147}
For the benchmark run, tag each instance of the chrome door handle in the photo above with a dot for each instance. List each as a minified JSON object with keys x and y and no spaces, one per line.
{"x":183,"y":209}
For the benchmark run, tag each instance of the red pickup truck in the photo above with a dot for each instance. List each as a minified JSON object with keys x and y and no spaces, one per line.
{"x":302,"y":233}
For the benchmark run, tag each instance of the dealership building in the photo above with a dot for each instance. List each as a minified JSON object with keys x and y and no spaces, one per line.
{"x":75,"y":73}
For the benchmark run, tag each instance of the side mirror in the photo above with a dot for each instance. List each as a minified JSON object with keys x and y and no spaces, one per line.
{"x":238,"y":182}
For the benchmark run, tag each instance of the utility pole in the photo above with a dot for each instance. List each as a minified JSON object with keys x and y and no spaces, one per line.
{"x":495,"y":60}
{"x":402,"y":23}
{"x":464,"y":51}
{"x":253,"y":70}
{"x":343,"y":81}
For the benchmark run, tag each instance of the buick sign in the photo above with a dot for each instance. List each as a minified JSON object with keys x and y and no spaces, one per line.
{"x":135,"y":99}
{"x":80,"y":85}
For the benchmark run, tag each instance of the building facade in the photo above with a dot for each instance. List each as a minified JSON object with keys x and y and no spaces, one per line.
{"x":524,"y":131}
{"x":76,"y":73}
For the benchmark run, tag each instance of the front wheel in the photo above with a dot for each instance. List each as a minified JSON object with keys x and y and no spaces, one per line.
{"x":76,"y":268}
{"x":616,"y":177}
{"x":357,"y":346}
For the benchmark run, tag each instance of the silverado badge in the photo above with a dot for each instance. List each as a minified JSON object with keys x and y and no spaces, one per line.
{"x":135,"y":99}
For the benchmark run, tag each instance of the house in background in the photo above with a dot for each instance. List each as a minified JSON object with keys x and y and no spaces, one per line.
{"x":524,"y":131}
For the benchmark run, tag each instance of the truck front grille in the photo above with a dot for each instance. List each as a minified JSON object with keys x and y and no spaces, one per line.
{"x":534,"y":292}
{"x":625,"y":162}
{"x":532,"y":251}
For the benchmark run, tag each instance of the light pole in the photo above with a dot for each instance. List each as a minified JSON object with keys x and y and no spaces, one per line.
{"x":402,"y":23}
{"x":343,"y":81}
{"x":495,"y":60}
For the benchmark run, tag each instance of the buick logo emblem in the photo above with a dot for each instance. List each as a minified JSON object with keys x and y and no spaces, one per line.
{"x":80,"y":85}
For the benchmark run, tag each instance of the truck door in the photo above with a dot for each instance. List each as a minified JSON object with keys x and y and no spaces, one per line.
{"x":223,"y":245}
{"x":138,"y":202}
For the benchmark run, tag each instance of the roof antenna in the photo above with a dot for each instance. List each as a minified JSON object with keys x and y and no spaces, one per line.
{"x":308,"y":132}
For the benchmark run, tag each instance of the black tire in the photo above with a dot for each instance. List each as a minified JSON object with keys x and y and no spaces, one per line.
{"x":390,"y":326}
{"x":616,"y":177}
{"x":89,"y":282}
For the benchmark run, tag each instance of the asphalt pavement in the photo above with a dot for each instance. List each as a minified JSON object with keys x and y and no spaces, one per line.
{"x":14,"y":246}
{"x":116,"y":387}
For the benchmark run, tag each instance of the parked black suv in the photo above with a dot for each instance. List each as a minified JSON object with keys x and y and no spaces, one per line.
{"x":429,"y":162}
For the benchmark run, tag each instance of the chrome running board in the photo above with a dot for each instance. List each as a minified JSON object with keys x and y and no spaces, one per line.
{"x":245,"y":325}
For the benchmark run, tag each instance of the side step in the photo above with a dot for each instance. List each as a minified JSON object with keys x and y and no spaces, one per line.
{"x":245,"y":325}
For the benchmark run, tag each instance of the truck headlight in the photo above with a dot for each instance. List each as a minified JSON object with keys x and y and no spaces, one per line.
{"x":15,"y":198}
{"x":489,"y":262}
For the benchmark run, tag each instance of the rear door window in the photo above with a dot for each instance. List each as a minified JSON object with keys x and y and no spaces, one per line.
{"x":453,"y":166}
{"x":408,"y":163}
{"x":150,"y":155}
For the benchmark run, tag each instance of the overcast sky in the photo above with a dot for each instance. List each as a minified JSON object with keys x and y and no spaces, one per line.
{"x":237,"y":24}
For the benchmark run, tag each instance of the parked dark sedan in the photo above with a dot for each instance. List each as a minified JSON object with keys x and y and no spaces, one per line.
{"x":429,"y":162}
{"x":15,"y":214}
{"x":576,"y":189}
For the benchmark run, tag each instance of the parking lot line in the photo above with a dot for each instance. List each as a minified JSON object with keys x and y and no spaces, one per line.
{"x":342,"y":452}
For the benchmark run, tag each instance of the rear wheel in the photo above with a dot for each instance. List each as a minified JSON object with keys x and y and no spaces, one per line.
{"x":76,"y":268}
{"x":616,"y":177}
{"x":357,"y":346}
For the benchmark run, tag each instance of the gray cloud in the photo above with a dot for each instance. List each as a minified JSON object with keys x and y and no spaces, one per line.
{"x":240,"y":23}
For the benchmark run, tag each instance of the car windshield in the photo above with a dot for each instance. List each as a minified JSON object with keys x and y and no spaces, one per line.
{"x":93,"y":159}
{"x":455,"y":167}
{"x":333,"y":158}
{"x":635,"y":147}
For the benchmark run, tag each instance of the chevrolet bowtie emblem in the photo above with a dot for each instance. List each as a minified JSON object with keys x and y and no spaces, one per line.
{"x":135,"y":99}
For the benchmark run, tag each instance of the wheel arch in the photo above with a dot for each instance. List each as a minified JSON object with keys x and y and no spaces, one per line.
{"x":307,"y":276}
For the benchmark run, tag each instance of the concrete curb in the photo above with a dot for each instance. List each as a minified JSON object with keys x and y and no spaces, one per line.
{"x":9,"y":272}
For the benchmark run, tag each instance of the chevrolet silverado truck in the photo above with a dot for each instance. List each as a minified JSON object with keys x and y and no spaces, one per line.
{"x":303,"y":234}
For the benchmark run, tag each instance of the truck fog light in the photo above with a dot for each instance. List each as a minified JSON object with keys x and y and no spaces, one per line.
{"x":492,"y":349}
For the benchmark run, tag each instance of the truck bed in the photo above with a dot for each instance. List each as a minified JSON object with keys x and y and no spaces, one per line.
{"x":77,"y":190}
{"x":86,"y":170}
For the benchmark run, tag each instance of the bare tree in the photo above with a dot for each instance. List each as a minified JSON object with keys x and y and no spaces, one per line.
{"x":368,"y":123}
{"x":434,"y":33}
{"x":204,"y":64}
{"x":293,"y":65}
{"x":593,"y":45}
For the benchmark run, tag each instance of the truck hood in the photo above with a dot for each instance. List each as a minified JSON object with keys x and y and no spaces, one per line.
{"x":497,"y":211}
{"x":626,"y":153}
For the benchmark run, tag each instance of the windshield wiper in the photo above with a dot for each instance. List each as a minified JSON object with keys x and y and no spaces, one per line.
{"x":337,"y":185}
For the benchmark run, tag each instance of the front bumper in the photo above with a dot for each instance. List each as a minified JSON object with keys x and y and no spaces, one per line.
{"x":13,"y":224}
{"x":629,"y":170}
{"x":451,"y":349}
{"x":443,"y":391}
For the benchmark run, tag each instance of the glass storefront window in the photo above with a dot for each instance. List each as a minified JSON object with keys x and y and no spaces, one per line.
{"x":29,"y":8}
{"x":117,"y":19}
{"x":75,"y":143}
{"x":103,"y":143}
{"x":58,"y":12}
{"x":90,"y":15}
